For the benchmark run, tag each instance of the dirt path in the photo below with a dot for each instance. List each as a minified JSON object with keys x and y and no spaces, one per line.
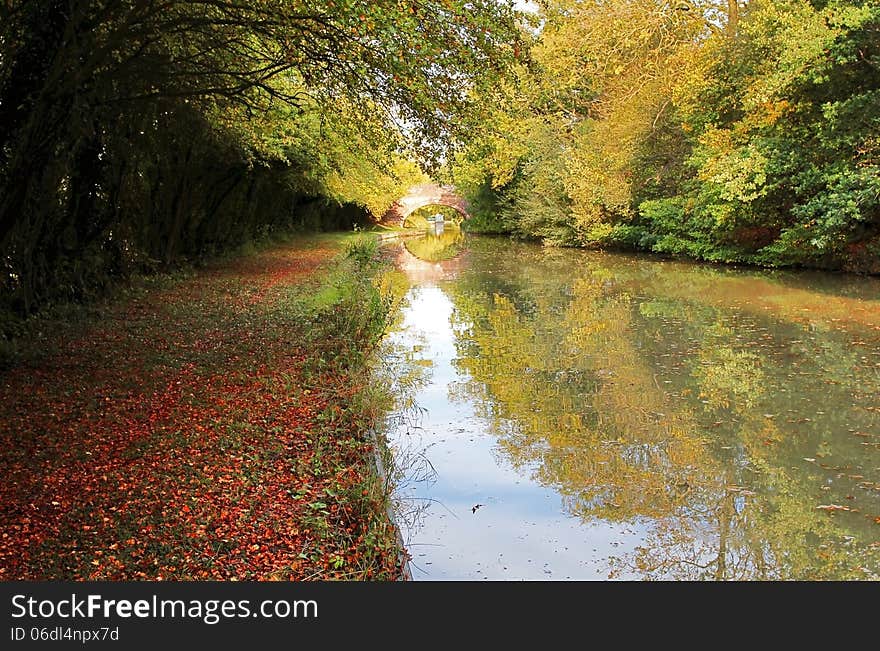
{"x":184,"y":433}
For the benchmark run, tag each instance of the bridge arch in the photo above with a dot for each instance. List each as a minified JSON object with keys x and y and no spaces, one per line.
{"x":426,"y":194}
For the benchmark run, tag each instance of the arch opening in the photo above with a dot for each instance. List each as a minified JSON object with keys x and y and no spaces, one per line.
{"x":432,"y":213}
{"x":420,"y":196}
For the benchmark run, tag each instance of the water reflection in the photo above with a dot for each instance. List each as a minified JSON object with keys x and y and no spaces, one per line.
{"x":440,"y":242}
{"x":657,"y":419}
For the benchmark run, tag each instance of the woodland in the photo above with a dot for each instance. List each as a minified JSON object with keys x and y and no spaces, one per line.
{"x":186,"y":390}
{"x":138,"y":134}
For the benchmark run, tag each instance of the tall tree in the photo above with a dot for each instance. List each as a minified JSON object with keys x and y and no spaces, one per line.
{"x":87,"y":85}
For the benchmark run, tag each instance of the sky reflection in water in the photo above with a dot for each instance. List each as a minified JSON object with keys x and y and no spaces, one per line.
{"x":628,"y":417}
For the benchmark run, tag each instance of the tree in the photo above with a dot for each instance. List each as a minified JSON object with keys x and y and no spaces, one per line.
{"x":121,"y":121}
{"x":721,"y":130}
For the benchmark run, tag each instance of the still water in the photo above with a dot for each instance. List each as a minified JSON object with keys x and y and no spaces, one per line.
{"x":570,"y":414}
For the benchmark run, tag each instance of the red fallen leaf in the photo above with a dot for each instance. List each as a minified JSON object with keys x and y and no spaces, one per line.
{"x":149,"y":440}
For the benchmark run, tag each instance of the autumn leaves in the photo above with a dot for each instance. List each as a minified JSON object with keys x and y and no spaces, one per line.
{"x":190,"y":433}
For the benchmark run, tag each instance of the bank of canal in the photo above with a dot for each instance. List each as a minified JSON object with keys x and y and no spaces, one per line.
{"x":591,"y":415}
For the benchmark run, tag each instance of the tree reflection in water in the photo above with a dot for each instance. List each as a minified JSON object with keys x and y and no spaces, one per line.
{"x":722,"y":410}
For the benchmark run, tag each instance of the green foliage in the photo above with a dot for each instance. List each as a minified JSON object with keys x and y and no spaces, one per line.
{"x":347,"y":314}
{"x":419,"y":218}
{"x":363,"y":251}
{"x":135,"y":135}
{"x":725,"y":132}
{"x":486,"y":207}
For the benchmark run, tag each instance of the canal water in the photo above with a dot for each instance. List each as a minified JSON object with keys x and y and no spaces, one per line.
{"x":567,"y":414}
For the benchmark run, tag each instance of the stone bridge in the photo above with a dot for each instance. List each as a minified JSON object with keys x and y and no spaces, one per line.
{"x":419,"y":196}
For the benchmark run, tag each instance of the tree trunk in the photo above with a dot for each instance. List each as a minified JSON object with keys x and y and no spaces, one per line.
{"x":732,"y":17}
{"x":30,"y":123}
{"x":44,"y":29}
{"x":85,"y":178}
{"x":179,"y":206}
{"x":724,"y":516}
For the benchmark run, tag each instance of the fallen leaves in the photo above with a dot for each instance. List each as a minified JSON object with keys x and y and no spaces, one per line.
{"x":173,"y":440}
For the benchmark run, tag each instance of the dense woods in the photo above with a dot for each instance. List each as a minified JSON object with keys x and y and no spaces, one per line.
{"x":728,"y":131}
{"x":138,"y":133}
{"x":222,"y":421}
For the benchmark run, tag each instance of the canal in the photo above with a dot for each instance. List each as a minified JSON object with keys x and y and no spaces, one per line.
{"x":568,"y":414}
